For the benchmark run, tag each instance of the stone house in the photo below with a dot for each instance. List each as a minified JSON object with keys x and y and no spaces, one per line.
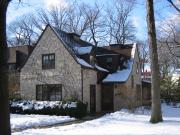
{"x":64,"y":66}
{"x":16,"y":59}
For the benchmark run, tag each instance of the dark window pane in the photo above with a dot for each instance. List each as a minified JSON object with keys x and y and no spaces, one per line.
{"x":48,"y":61}
{"x":49,"y":92}
{"x":38,"y":92}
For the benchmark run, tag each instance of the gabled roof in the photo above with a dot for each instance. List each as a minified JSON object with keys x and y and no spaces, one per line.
{"x":76,"y":47}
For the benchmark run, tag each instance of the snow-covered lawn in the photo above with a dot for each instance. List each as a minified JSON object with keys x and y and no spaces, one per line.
{"x":27,"y":121}
{"x":119,"y":123}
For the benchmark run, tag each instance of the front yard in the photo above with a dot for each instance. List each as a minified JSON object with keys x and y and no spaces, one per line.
{"x":119,"y":123}
{"x":19,"y":122}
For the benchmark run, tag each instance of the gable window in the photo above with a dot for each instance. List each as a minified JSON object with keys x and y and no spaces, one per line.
{"x":48,"y":61}
{"x":109,"y":60}
{"x":12,"y":66}
{"x":49,"y":92}
{"x":109,"y":63}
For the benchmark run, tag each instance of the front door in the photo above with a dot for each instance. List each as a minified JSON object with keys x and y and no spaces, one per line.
{"x":107,"y":97}
{"x":92,"y":98}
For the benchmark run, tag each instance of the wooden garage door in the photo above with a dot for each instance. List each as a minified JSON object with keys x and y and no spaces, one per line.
{"x":92,"y":98}
{"x":107,"y":97}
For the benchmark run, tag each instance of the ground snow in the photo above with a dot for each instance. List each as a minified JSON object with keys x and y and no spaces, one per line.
{"x":119,"y":123}
{"x":28,"y":121}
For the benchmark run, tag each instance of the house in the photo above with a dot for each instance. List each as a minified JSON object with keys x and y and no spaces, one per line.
{"x":64,"y":66}
{"x":16,"y":59}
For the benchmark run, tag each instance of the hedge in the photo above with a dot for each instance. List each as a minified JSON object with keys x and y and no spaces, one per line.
{"x":76,"y":109}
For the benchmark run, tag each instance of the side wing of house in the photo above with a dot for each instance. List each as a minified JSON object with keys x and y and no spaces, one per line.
{"x":50,"y":73}
{"x":129,"y":94}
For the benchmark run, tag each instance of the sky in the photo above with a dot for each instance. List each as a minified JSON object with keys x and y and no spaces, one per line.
{"x":138,"y":16}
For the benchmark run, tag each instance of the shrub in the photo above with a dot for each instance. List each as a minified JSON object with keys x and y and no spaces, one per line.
{"x":75,"y":109}
{"x":170,"y":90}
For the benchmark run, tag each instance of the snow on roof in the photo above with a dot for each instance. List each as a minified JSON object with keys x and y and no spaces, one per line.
{"x":101,"y":69}
{"x":83,"y":50}
{"x":83,"y":62}
{"x":122,"y":75}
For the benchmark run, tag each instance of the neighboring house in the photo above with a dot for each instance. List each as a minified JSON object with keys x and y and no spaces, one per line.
{"x":17,"y":56}
{"x":64,"y":66}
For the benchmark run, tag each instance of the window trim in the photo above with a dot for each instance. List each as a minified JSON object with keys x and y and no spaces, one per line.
{"x":48,"y":67}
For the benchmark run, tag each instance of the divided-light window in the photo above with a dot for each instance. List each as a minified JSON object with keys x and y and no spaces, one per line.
{"x":48,"y":61}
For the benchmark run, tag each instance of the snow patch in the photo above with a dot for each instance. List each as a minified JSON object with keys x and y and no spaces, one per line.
{"x":119,"y":123}
{"x":101,"y":69}
{"x":83,"y":50}
{"x":28,"y":121}
{"x":120,"y":75}
{"x":83,"y":63}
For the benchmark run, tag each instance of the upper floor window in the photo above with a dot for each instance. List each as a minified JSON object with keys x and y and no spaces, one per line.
{"x":48,"y":61}
{"x":12,"y":66}
{"x":109,"y":60}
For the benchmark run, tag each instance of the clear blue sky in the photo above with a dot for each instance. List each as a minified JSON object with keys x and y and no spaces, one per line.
{"x":138,"y":15}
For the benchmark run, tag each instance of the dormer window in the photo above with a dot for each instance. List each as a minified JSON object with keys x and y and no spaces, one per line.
{"x":48,"y":61}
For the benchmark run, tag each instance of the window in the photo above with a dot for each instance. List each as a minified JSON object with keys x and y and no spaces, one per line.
{"x":109,"y":63}
{"x":48,"y":61}
{"x":109,"y":60}
{"x":50,"y":92}
{"x":12,"y":66}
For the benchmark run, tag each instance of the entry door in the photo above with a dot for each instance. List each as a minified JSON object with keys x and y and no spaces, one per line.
{"x":92,"y":98}
{"x":107,"y":97}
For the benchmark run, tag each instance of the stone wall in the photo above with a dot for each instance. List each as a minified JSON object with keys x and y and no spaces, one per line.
{"x":126,"y":95}
{"x":13,"y":83}
{"x":90,"y":78}
{"x":67,"y":71}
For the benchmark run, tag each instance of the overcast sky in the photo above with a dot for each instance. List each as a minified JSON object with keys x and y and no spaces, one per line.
{"x":138,"y":17}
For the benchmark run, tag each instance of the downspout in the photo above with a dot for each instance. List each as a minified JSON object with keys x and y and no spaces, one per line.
{"x":82,"y":84}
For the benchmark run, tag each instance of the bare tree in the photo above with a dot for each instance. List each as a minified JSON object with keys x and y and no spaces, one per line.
{"x":156,"y":115}
{"x":95,"y":30}
{"x":172,"y":3}
{"x":144,"y":54}
{"x":5,"y":128}
{"x":119,"y":26}
{"x":77,"y":22}
{"x":169,"y":36}
{"x":23,"y":30}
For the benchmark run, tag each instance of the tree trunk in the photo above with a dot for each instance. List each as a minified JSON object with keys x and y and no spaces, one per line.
{"x":156,"y":115}
{"x":4,"y":103}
